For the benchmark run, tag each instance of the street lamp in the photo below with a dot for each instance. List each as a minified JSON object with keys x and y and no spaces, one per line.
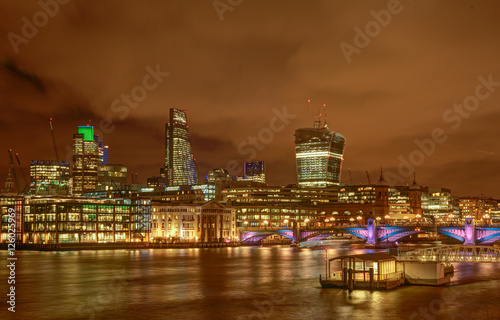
{"x":352,"y":219}
{"x":265,"y":223}
{"x":286,"y":222}
{"x":486,"y":217}
{"x":359,"y":219}
{"x":387,"y":217}
{"x":307,"y":222}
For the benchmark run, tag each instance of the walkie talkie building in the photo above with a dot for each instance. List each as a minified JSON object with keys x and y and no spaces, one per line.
{"x":319,"y":153}
{"x":180,"y":168}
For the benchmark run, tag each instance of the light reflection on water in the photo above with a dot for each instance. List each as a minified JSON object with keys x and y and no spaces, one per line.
{"x":228,"y":283}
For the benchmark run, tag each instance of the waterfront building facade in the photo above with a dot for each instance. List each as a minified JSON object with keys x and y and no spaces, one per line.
{"x":279,"y":195}
{"x":55,"y":220}
{"x":480,"y":209}
{"x":440,"y":205}
{"x":193,"y":222}
{"x":180,"y":168}
{"x":389,"y":202}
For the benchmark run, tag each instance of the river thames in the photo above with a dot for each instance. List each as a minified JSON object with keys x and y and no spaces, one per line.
{"x":276,"y":282}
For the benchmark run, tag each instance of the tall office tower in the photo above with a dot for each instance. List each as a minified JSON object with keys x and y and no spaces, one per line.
{"x":255,"y":171}
{"x":85,"y":160}
{"x":180,"y":168}
{"x":319,"y":153}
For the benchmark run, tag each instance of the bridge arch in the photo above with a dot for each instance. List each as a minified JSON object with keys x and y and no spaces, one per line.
{"x":320,"y":235}
{"x":256,"y":236}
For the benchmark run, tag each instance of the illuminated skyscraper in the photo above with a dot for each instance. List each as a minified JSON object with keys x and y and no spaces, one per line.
{"x":85,"y":160}
{"x":180,"y":168}
{"x":319,"y":153}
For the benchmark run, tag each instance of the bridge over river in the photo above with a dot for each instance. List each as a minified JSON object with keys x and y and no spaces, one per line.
{"x":468,"y":234}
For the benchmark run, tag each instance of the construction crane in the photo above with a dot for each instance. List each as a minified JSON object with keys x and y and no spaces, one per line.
{"x":22,"y":172}
{"x":53,"y":139}
{"x":368,"y":176}
{"x":350,"y":176}
{"x":134,"y":177}
{"x":13,"y":170}
{"x":324,"y":115}
{"x":316,"y":116}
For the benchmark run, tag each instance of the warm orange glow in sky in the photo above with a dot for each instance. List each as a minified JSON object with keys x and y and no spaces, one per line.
{"x":395,"y":77}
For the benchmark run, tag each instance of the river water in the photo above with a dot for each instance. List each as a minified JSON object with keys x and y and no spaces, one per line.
{"x":277,"y":282}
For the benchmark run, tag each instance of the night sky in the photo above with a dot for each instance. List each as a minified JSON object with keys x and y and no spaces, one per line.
{"x":233,"y":68}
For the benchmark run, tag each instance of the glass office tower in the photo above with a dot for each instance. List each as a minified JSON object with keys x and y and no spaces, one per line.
{"x":319,"y":153}
{"x":180,"y":168}
{"x":85,"y":160}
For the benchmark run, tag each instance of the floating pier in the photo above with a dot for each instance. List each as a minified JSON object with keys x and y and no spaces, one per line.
{"x":382,"y":271}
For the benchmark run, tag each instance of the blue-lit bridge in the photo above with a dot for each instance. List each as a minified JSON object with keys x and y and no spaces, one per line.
{"x":469,"y":234}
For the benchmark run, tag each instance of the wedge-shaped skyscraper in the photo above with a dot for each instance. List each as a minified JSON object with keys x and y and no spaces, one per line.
{"x":319,"y":153}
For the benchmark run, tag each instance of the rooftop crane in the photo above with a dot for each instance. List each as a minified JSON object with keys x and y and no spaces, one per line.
{"x":22,"y":172}
{"x":13,"y":170}
{"x":350,"y":176}
{"x":53,"y":139}
{"x":368,"y":176}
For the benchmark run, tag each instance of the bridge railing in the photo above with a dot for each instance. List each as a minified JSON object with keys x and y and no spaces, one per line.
{"x":466,"y":254}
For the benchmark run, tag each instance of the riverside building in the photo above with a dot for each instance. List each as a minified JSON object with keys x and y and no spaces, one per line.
{"x":193,"y":222}
{"x":54,"y":220}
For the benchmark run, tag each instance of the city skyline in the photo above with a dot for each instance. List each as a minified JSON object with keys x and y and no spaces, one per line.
{"x":380,"y":110}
